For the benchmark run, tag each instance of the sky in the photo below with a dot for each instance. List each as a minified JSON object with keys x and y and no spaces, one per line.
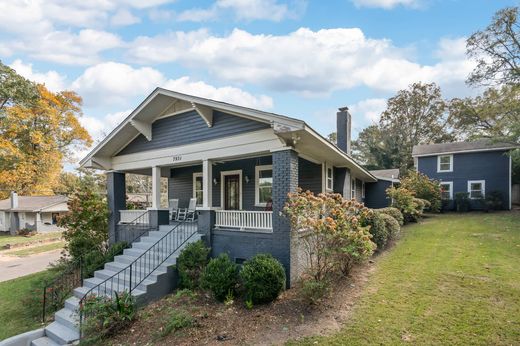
{"x":300,"y":58}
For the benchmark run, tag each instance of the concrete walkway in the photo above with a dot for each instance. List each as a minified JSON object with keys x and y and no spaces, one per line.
{"x":13,"y":267}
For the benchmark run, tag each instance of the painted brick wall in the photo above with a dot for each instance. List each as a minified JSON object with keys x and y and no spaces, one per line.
{"x":375,"y":194}
{"x":189,"y":127}
{"x":493,"y":167}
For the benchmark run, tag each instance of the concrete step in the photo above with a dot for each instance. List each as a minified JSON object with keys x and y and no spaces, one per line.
{"x":67,"y":317}
{"x":44,"y":341}
{"x":80,"y":292}
{"x":129,"y":259}
{"x":72,"y":303}
{"x":60,"y":333}
{"x":117,"y":285}
{"x":105,"y":274}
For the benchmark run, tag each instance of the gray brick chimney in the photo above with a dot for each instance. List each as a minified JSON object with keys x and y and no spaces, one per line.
{"x":14,"y":200}
{"x":344,"y":129}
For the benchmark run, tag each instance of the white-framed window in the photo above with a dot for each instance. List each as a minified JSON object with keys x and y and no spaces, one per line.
{"x":329,"y":178}
{"x":445,"y":163}
{"x":197,"y":188}
{"x":263,"y":185}
{"x":476,"y":189}
{"x":353,"y":188}
{"x":446,"y":190}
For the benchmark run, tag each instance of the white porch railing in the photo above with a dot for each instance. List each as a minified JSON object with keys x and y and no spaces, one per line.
{"x":134,"y":216}
{"x":244,"y":220}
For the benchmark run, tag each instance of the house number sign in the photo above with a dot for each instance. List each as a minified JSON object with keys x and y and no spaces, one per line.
{"x":177,"y":158}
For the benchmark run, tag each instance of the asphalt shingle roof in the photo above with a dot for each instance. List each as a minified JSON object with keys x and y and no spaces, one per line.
{"x":32,"y":203}
{"x":454,"y":147}
{"x":386,"y":173}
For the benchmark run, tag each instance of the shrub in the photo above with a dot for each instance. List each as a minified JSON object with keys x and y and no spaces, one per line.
{"x":393,"y":212}
{"x":391,"y":225}
{"x":313,"y":291}
{"x":179,"y":319}
{"x":445,"y":205}
{"x":419,"y":205}
{"x":329,"y":232}
{"x":403,"y":199}
{"x":377,"y":228}
{"x":220,"y":276}
{"x":424,"y":188}
{"x":263,"y":278}
{"x":26,"y":232}
{"x":493,"y":201}
{"x":462,"y":202}
{"x":191,"y":263}
{"x":105,"y":316}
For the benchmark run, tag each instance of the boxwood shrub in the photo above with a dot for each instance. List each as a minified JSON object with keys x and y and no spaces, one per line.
{"x":391,"y":225}
{"x":377,"y":228}
{"x":393,"y":212}
{"x":191,"y":263}
{"x":220,"y":277}
{"x":263,"y":278}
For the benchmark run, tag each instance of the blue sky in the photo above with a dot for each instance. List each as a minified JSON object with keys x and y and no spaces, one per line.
{"x":299,"y":58}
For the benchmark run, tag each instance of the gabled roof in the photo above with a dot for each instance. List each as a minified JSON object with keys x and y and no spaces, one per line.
{"x":459,"y":147}
{"x":386,"y":174}
{"x":162,"y":102}
{"x":33,"y":203}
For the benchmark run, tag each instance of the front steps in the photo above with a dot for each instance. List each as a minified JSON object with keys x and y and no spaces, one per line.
{"x":65,"y":328}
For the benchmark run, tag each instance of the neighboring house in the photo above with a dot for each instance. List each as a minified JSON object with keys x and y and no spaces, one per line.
{"x":374,"y":192}
{"x":236,"y":161}
{"x":36,"y":213}
{"x":477,"y":168}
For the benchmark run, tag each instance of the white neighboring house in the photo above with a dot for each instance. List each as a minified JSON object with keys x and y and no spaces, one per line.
{"x":38,"y":213}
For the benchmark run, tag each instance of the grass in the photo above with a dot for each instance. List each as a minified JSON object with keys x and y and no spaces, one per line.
{"x":453,"y":279}
{"x":17,"y":239}
{"x":36,"y":249}
{"x":19,"y":305}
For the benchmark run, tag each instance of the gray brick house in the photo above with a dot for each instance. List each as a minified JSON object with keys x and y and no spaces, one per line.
{"x":238,"y":162}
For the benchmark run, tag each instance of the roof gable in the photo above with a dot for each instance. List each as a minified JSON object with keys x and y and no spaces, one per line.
{"x":459,"y":147}
{"x":33,"y":203}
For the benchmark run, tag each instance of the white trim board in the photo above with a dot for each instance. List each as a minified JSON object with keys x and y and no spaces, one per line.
{"x":194,"y":178}
{"x":450,"y":183}
{"x":257,"y":185}
{"x":483,"y":184}
{"x":439,"y":164}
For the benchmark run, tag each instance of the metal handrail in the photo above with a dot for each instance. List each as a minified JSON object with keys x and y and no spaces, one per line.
{"x":75,"y":270}
{"x":135,"y":224}
{"x":143,"y":266}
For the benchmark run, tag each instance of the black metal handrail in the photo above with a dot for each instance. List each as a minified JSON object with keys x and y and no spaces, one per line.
{"x":134,"y":229}
{"x":57,"y":290}
{"x":133,"y":275}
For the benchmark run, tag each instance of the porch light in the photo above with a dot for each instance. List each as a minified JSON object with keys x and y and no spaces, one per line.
{"x":215,"y":181}
{"x":246,"y":178}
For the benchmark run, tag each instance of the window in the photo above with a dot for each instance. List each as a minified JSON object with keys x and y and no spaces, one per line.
{"x":263,"y":185}
{"x":353,"y":188}
{"x":329,"y":183}
{"x":197,"y":188}
{"x":446,"y":190}
{"x":445,"y":163}
{"x":477,"y":189}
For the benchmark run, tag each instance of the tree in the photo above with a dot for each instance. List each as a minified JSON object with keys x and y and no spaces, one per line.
{"x":36,"y":137}
{"x":14,"y":89}
{"x":497,"y":50}
{"x":494,"y":115}
{"x":374,"y":149}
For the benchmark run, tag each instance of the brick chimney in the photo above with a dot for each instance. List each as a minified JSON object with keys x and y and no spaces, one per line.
{"x":344,"y":129}
{"x":14,"y":200}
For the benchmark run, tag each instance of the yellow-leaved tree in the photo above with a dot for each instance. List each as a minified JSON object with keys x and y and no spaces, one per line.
{"x":36,"y":137}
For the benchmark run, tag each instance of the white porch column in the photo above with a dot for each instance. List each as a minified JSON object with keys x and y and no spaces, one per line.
{"x":156,"y":187}
{"x":207,"y":180}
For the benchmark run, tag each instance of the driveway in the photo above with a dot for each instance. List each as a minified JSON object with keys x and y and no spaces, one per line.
{"x":14,"y":267}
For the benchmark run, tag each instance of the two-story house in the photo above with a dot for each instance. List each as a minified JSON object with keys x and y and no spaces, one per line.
{"x":478,"y":168}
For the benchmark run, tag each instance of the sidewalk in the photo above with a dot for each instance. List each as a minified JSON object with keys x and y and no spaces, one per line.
{"x":14,"y":267}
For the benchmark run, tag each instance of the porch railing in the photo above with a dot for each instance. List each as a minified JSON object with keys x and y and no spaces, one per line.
{"x":244,"y":220}
{"x":133,"y":217}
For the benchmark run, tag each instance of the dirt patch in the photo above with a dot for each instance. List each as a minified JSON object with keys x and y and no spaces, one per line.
{"x":217,"y":324}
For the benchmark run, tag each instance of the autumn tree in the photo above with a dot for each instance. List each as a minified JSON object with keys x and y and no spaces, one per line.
{"x":496,"y":50}
{"x":14,"y":89}
{"x":35,"y":138}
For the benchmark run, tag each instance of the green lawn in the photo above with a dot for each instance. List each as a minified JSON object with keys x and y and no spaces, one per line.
{"x":16,"y":239}
{"x":20,"y":306}
{"x":26,"y":251}
{"x":452,"y":280}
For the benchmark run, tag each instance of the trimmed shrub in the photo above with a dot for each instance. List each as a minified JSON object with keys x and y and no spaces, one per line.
{"x":493,"y":201}
{"x":424,"y":188}
{"x":220,"y":277}
{"x":403,"y":199}
{"x":393,"y":212}
{"x":419,"y":205}
{"x":391,"y":225}
{"x":191,"y":263}
{"x":377,"y":228}
{"x":263,"y":278}
{"x":313,"y":291}
{"x":462,"y":203}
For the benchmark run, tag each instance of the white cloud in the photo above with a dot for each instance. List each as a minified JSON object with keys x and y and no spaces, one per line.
{"x":305,"y":61}
{"x":52,"y":79}
{"x":247,"y":10}
{"x":114,"y":83}
{"x":368,"y":109}
{"x":124,"y":17}
{"x":387,"y":4}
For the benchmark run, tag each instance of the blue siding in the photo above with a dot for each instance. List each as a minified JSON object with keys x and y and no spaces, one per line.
{"x":188,"y":128}
{"x":339,"y":179}
{"x":375,"y":194}
{"x":309,"y":176}
{"x":491,"y":166}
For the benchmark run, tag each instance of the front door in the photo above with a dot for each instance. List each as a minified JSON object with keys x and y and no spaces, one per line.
{"x":232,"y":192}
